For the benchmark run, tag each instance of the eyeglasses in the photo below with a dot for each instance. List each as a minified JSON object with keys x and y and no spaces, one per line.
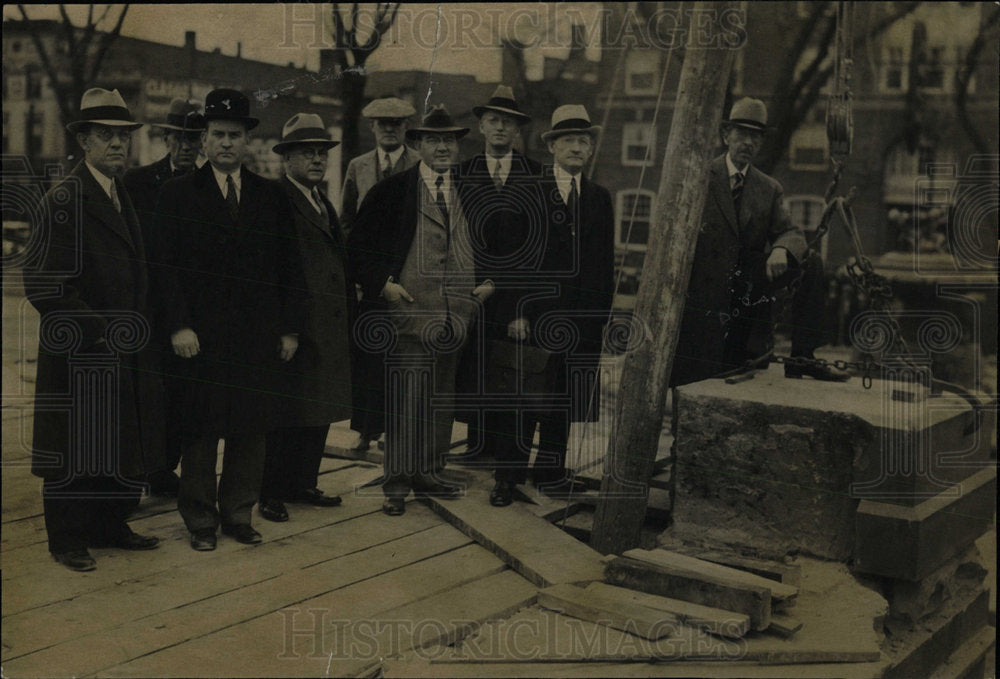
{"x":322,"y":154}
{"x":106,"y":134}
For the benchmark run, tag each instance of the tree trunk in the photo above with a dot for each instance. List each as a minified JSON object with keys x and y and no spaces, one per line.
{"x":660,"y":299}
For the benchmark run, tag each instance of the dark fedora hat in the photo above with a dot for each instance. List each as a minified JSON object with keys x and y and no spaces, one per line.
{"x":748,"y":113}
{"x":503,"y":101}
{"x":304,"y":128}
{"x":103,"y":107}
{"x":184,"y":116}
{"x":437,"y":121}
{"x":226,"y":104}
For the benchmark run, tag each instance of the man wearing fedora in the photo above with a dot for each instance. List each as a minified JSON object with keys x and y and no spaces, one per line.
{"x":505,"y":209}
{"x":234,"y":302}
{"x":410,"y":245}
{"x":318,"y":390}
{"x":578,"y":269}
{"x":388,"y":116}
{"x":90,"y":285}
{"x":182,"y":133}
{"x":747,"y":250}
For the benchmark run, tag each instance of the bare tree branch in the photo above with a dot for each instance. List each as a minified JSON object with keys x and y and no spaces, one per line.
{"x":963,"y":77}
{"x":107,"y":39}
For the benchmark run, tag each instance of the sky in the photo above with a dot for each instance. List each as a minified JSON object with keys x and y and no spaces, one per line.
{"x":466,"y":35}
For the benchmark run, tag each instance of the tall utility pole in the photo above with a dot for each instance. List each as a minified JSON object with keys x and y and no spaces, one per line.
{"x":694,"y":133}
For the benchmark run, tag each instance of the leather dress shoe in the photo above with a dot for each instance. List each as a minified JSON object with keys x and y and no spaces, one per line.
{"x":562,"y":488}
{"x":76,"y":559}
{"x":502,"y":494}
{"x":203,"y":540}
{"x":244,"y":533}
{"x":273,"y":510}
{"x":817,"y":371}
{"x":360,"y":444}
{"x":394,"y":506}
{"x":135,"y":542}
{"x":315,"y":497}
{"x":440,"y":491}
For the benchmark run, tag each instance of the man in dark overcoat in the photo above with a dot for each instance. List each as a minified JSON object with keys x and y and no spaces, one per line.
{"x":318,"y":390}
{"x":182,"y":134}
{"x":98,"y":426}
{"x":389,"y":118}
{"x":410,"y":245}
{"x":234,"y":303}
{"x":506,"y":212}
{"x":578,"y":265}
{"x":747,"y":250}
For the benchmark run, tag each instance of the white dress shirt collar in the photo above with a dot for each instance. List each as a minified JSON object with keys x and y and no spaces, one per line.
{"x":505,"y":163}
{"x":307,"y":192}
{"x":220,"y":179}
{"x":563,"y":178}
{"x":394,"y":156}
{"x":104,"y":180}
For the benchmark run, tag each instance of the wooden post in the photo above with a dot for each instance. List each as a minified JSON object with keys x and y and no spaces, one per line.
{"x":694,"y":134}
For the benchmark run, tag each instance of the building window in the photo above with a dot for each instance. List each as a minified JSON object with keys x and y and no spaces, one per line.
{"x":894,"y":70}
{"x":638,"y":140}
{"x":932,"y":75}
{"x":36,"y":132}
{"x":635,"y":217}
{"x":809,"y":149}
{"x":642,"y":69}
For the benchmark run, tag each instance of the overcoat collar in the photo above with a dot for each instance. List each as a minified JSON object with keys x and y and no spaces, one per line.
{"x":99,"y":208}
{"x":722,"y":193}
{"x":211,"y":198}
{"x":306,"y":209}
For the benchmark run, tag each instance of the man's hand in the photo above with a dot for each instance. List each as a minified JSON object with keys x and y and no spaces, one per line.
{"x":518,"y":329}
{"x":185,"y":343}
{"x":393,"y":292}
{"x":777,"y":263}
{"x":483,"y":292}
{"x":289,"y":345}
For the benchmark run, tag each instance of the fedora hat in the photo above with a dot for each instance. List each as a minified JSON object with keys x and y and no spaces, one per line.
{"x":184,"y":116}
{"x":570,"y":119}
{"x":502,"y":101}
{"x":748,"y":113}
{"x":226,"y":104}
{"x":103,"y":107}
{"x":388,"y":107}
{"x":437,"y":121}
{"x":304,"y":128}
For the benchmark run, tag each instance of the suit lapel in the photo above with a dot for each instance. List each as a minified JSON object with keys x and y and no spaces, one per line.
{"x":209,"y":197}
{"x":752,"y":187}
{"x":99,"y":207}
{"x":306,"y":209}
{"x":723,"y":195}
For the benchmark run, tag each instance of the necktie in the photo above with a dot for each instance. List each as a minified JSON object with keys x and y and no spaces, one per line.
{"x":386,"y":167}
{"x":115,"y":200}
{"x":737,"y":191}
{"x":321,"y":205}
{"x":442,"y":205}
{"x":571,"y":203}
{"x":497,"y":181}
{"x":231,"y":199}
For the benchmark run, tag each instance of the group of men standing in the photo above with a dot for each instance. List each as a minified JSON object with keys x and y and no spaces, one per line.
{"x":248,"y":307}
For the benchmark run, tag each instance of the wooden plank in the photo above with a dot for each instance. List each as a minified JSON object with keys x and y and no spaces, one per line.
{"x":789,"y":574}
{"x":718,"y":573}
{"x":686,"y":585}
{"x":968,"y":662}
{"x":533,"y":547}
{"x":784,"y":625}
{"x":326,"y":635}
{"x":607,"y":609}
{"x":90,"y":612}
{"x":30,"y":574}
{"x":319,"y":592}
{"x":714,"y":620}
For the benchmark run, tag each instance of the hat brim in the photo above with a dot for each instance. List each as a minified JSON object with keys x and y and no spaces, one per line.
{"x":522,"y":118}
{"x":249,"y":122}
{"x":283,"y":146}
{"x":177,"y":128}
{"x":417,"y":132}
{"x":75,"y":126}
{"x":745,"y":124}
{"x":593,"y":130}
